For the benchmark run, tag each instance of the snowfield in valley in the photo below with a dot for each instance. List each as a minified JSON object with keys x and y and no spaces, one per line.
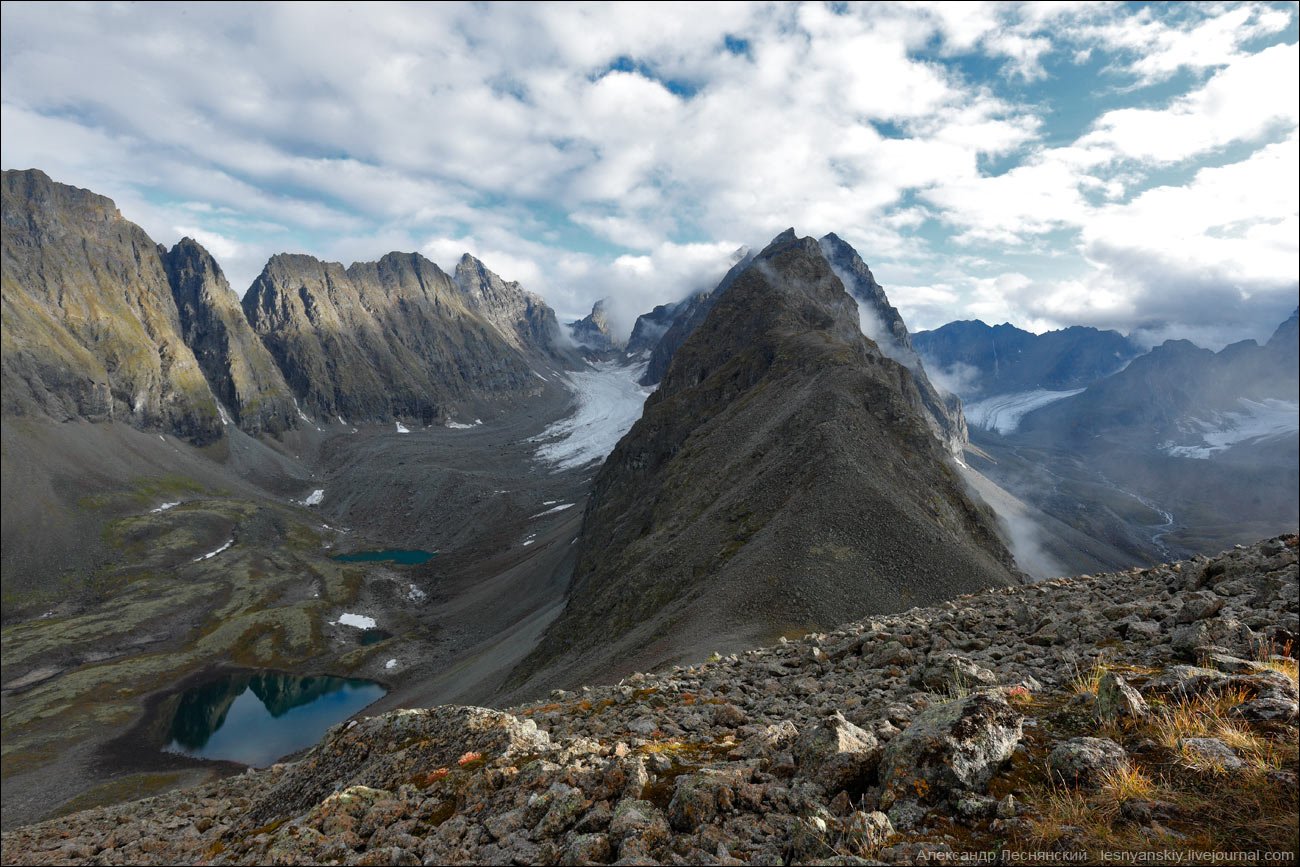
{"x":1002,"y":413}
{"x":1257,"y":420}
{"x":609,"y":403}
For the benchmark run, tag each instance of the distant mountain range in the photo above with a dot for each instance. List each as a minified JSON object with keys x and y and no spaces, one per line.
{"x":1153,"y":454}
{"x":977,"y":360}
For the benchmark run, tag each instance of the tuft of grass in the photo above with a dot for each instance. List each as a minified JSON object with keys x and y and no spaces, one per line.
{"x":1280,"y":659}
{"x":1086,"y":682}
{"x":1209,"y":717}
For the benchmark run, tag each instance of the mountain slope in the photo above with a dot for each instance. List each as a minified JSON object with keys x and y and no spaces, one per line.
{"x":1176,"y":394}
{"x":781,"y":477}
{"x":522,"y":318}
{"x":881,"y":322}
{"x":238,"y":367}
{"x":379,"y":340}
{"x":90,"y":328}
{"x":937,"y":734}
{"x":1184,"y":450}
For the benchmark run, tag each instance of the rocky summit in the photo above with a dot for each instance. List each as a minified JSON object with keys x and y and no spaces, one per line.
{"x":521,"y":317}
{"x":1120,"y":712}
{"x":782,"y":476}
{"x":594,"y":332}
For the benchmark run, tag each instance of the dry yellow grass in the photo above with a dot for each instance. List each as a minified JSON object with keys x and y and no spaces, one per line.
{"x":1087,"y":681}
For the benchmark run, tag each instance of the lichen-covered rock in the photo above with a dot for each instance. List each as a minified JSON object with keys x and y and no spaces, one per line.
{"x":1117,"y":700}
{"x":836,"y":754}
{"x":949,"y":748}
{"x":956,"y":675}
{"x":867,"y":830}
{"x":1085,"y":761}
{"x":1210,"y":753}
{"x":640,"y":822}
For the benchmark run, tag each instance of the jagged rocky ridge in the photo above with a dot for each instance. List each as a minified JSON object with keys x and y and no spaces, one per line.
{"x":521,"y":317}
{"x":90,"y":327}
{"x":237,"y":366}
{"x":881,"y":322}
{"x":379,"y":340}
{"x":782,"y":477}
{"x":687,"y":316}
{"x":593,"y":331}
{"x":101,"y":323}
{"x":897,"y":738}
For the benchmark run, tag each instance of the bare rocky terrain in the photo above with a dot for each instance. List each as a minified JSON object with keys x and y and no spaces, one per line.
{"x":1135,"y":711}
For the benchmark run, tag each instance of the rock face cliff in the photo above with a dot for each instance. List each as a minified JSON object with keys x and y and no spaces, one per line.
{"x":90,"y":326}
{"x":380,"y":340}
{"x":593,"y":331}
{"x":522,"y":318}
{"x":241,"y":372}
{"x":687,"y":316}
{"x":881,"y":322}
{"x":651,"y":327}
{"x":994,"y":722}
{"x":782,"y":477}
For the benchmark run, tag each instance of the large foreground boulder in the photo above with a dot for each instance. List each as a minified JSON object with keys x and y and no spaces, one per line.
{"x":949,"y":748}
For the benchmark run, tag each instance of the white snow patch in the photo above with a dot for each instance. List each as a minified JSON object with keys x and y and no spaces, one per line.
{"x":360,"y":621}
{"x":549,"y":502}
{"x":211,"y":554}
{"x":552,"y":511}
{"x":531,"y":539}
{"x":315,"y":498}
{"x":415,"y":594}
{"x":401,"y":428}
{"x":1256,"y":421}
{"x":342,"y":420}
{"x":1002,"y":412}
{"x":225,"y":419}
{"x":455,"y":425}
{"x":539,"y":376}
{"x":392,"y":663}
{"x":164,"y":507}
{"x":609,"y":403}
{"x":302,"y":415}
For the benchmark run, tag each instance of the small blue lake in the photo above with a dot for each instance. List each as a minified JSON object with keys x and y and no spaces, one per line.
{"x":257,"y":718}
{"x":388,"y":555}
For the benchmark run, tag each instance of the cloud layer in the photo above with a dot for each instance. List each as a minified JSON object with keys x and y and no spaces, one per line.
{"x":1128,"y":167}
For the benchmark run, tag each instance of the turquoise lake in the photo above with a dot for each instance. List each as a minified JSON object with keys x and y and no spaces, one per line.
{"x":388,"y":555}
{"x":257,"y":718}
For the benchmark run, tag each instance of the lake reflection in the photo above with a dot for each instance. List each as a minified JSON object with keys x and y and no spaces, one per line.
{"x":256,"y":718}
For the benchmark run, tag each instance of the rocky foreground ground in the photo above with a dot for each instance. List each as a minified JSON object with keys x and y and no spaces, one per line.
{"x":1148,"y":710}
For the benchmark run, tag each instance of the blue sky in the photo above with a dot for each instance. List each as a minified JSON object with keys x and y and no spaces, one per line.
{"x":1124,"y":166}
